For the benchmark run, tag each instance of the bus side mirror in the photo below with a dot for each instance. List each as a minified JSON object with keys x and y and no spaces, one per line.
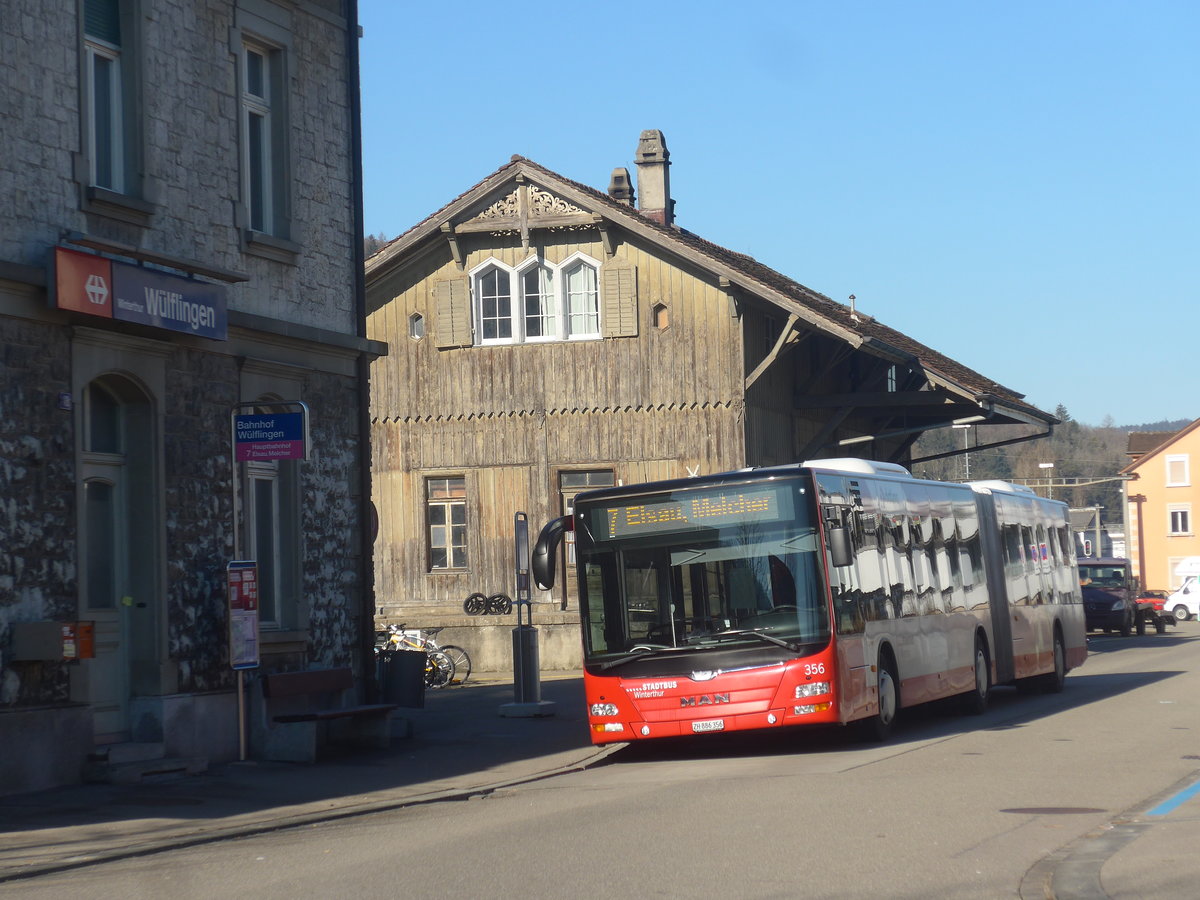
{"x":545,"y":552}
{"x":839,"y":546}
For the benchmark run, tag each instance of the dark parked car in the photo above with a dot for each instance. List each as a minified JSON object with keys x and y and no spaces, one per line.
{"x":1108,"y":594}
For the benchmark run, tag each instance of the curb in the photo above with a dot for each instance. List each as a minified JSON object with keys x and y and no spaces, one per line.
{"x":1073,"y":871}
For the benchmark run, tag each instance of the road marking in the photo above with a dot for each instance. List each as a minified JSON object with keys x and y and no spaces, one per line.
{"x":1178,"y":800}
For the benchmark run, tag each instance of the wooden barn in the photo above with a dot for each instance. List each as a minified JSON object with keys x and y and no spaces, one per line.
{"x":546,"y":338}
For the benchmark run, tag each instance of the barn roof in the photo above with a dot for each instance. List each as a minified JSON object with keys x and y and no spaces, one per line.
{"x":955,"y":392}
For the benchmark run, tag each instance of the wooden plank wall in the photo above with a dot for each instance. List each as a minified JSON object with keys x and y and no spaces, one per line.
{"x":512,"y":464}
{"x":697,"y":359}
{"x":510,"y":418}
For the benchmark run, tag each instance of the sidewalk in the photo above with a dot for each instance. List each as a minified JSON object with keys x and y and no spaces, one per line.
{"x":461,"y":745}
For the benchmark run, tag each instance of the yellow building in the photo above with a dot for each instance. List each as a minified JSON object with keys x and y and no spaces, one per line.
{"x":1162,"y":497}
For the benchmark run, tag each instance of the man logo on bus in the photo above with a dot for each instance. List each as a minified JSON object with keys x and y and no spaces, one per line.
{"x":703,"y":700}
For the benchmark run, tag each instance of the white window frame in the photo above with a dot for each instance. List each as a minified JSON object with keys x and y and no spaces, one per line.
{"x":555,"y":305}
{"x":258,"y":108}
{"x":1178,"y":459}
{"x":568,"y":266}
{"x":1181,"y":514}
{"x":96,"y":50}
{"x":550,"y":302}
{"x":447,"y":505}
{"x":271,"y":575}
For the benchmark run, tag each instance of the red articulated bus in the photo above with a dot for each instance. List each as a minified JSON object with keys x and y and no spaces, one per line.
{"x":834,"y":591}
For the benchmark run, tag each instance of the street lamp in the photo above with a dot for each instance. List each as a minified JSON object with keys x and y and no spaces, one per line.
{"x":1049,"y":479}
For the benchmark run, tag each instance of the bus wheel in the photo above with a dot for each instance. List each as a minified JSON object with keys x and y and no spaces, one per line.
{"x":1053,"y":682}
{"x":879,"y":726}
{"x":975,"y":701}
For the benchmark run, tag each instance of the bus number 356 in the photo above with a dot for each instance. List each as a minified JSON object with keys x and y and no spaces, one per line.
{"x":811,"y":669}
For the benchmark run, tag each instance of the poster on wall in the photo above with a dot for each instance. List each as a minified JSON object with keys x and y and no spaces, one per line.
{"x":241,"y":580}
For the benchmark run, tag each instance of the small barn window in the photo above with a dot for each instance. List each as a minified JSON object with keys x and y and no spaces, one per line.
{"x":416,"y":326}
{"x":446,"y":519}
{"x":662,"y":316}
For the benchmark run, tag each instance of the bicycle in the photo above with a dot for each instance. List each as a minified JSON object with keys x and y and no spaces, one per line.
{"x":439,"y":667}
{"x":401,"y":638}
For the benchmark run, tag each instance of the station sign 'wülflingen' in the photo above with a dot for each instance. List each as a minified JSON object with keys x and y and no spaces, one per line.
{"x":96,"y":286}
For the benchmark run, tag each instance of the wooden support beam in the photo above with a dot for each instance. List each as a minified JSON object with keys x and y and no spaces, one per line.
{"x":455,"y":250}
{"x":523,"y":210}
{"x":735,"y":302}
{"x":787,"y":336}
{"x":884,"y":400}
{"x":606,"y":237}
{"x":821,"y":439}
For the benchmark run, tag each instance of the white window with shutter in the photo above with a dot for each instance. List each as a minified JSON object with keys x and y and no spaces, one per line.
{"x":535,"y":301}
{"x":1177,"y":470}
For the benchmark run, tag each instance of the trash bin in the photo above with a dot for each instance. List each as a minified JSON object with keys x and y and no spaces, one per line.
{"x":402,"y":677}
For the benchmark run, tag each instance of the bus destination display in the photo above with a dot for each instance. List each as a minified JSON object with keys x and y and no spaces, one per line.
{"x":688,"y":511}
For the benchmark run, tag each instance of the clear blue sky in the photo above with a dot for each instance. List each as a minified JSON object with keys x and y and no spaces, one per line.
{"x":1015,"y":184}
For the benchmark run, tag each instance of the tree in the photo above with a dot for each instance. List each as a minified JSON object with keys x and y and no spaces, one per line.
{"x":373,"y":243}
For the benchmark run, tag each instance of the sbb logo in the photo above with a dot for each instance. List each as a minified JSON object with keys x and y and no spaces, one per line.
{"x":97,"y":289}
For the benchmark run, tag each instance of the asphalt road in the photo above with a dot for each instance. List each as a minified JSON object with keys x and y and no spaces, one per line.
{"x":951,"y":807}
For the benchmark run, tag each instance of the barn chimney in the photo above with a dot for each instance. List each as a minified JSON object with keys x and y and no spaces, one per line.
{"x":620,"y":188}
{"x":654,"y":178}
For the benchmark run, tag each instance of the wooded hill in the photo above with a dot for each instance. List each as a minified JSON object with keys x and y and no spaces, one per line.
{"x":1085,"y":458}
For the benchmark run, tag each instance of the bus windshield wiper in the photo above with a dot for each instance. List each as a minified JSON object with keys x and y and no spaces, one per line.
{"x":750,"y":632}
{"x":640,"y":653}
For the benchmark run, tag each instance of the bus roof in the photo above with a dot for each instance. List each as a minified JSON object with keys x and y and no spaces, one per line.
{"x":858,"y":466}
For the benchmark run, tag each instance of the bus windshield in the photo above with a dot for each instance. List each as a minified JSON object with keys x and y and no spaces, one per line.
{"x":727,"y":567}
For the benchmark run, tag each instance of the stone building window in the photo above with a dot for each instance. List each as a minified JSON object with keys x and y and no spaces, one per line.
{"x":273,"y":536}
{"x":262,"y":145}
{"x":262,"y":45}
{"x":110,"y":111}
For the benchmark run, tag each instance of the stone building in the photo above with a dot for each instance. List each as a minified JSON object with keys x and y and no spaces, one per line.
{"x":181,"y":244}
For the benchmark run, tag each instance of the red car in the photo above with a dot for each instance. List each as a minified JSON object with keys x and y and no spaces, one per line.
{"x":1155,"y":598}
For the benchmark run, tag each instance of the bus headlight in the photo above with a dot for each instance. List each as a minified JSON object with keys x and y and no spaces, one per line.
{"x":605,"y":727}
{"x":816,"y":689}
{"x":604,"y":709}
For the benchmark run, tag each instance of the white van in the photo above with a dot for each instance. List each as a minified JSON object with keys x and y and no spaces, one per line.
{"x":1184,"y":603}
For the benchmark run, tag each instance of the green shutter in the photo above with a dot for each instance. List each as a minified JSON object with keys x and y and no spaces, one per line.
{"x":452,"y":327}
{"x":620,"y":302}
{"x":102,"y":19}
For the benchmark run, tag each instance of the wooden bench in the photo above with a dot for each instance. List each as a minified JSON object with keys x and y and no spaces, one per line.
{"x":300,"y":713}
